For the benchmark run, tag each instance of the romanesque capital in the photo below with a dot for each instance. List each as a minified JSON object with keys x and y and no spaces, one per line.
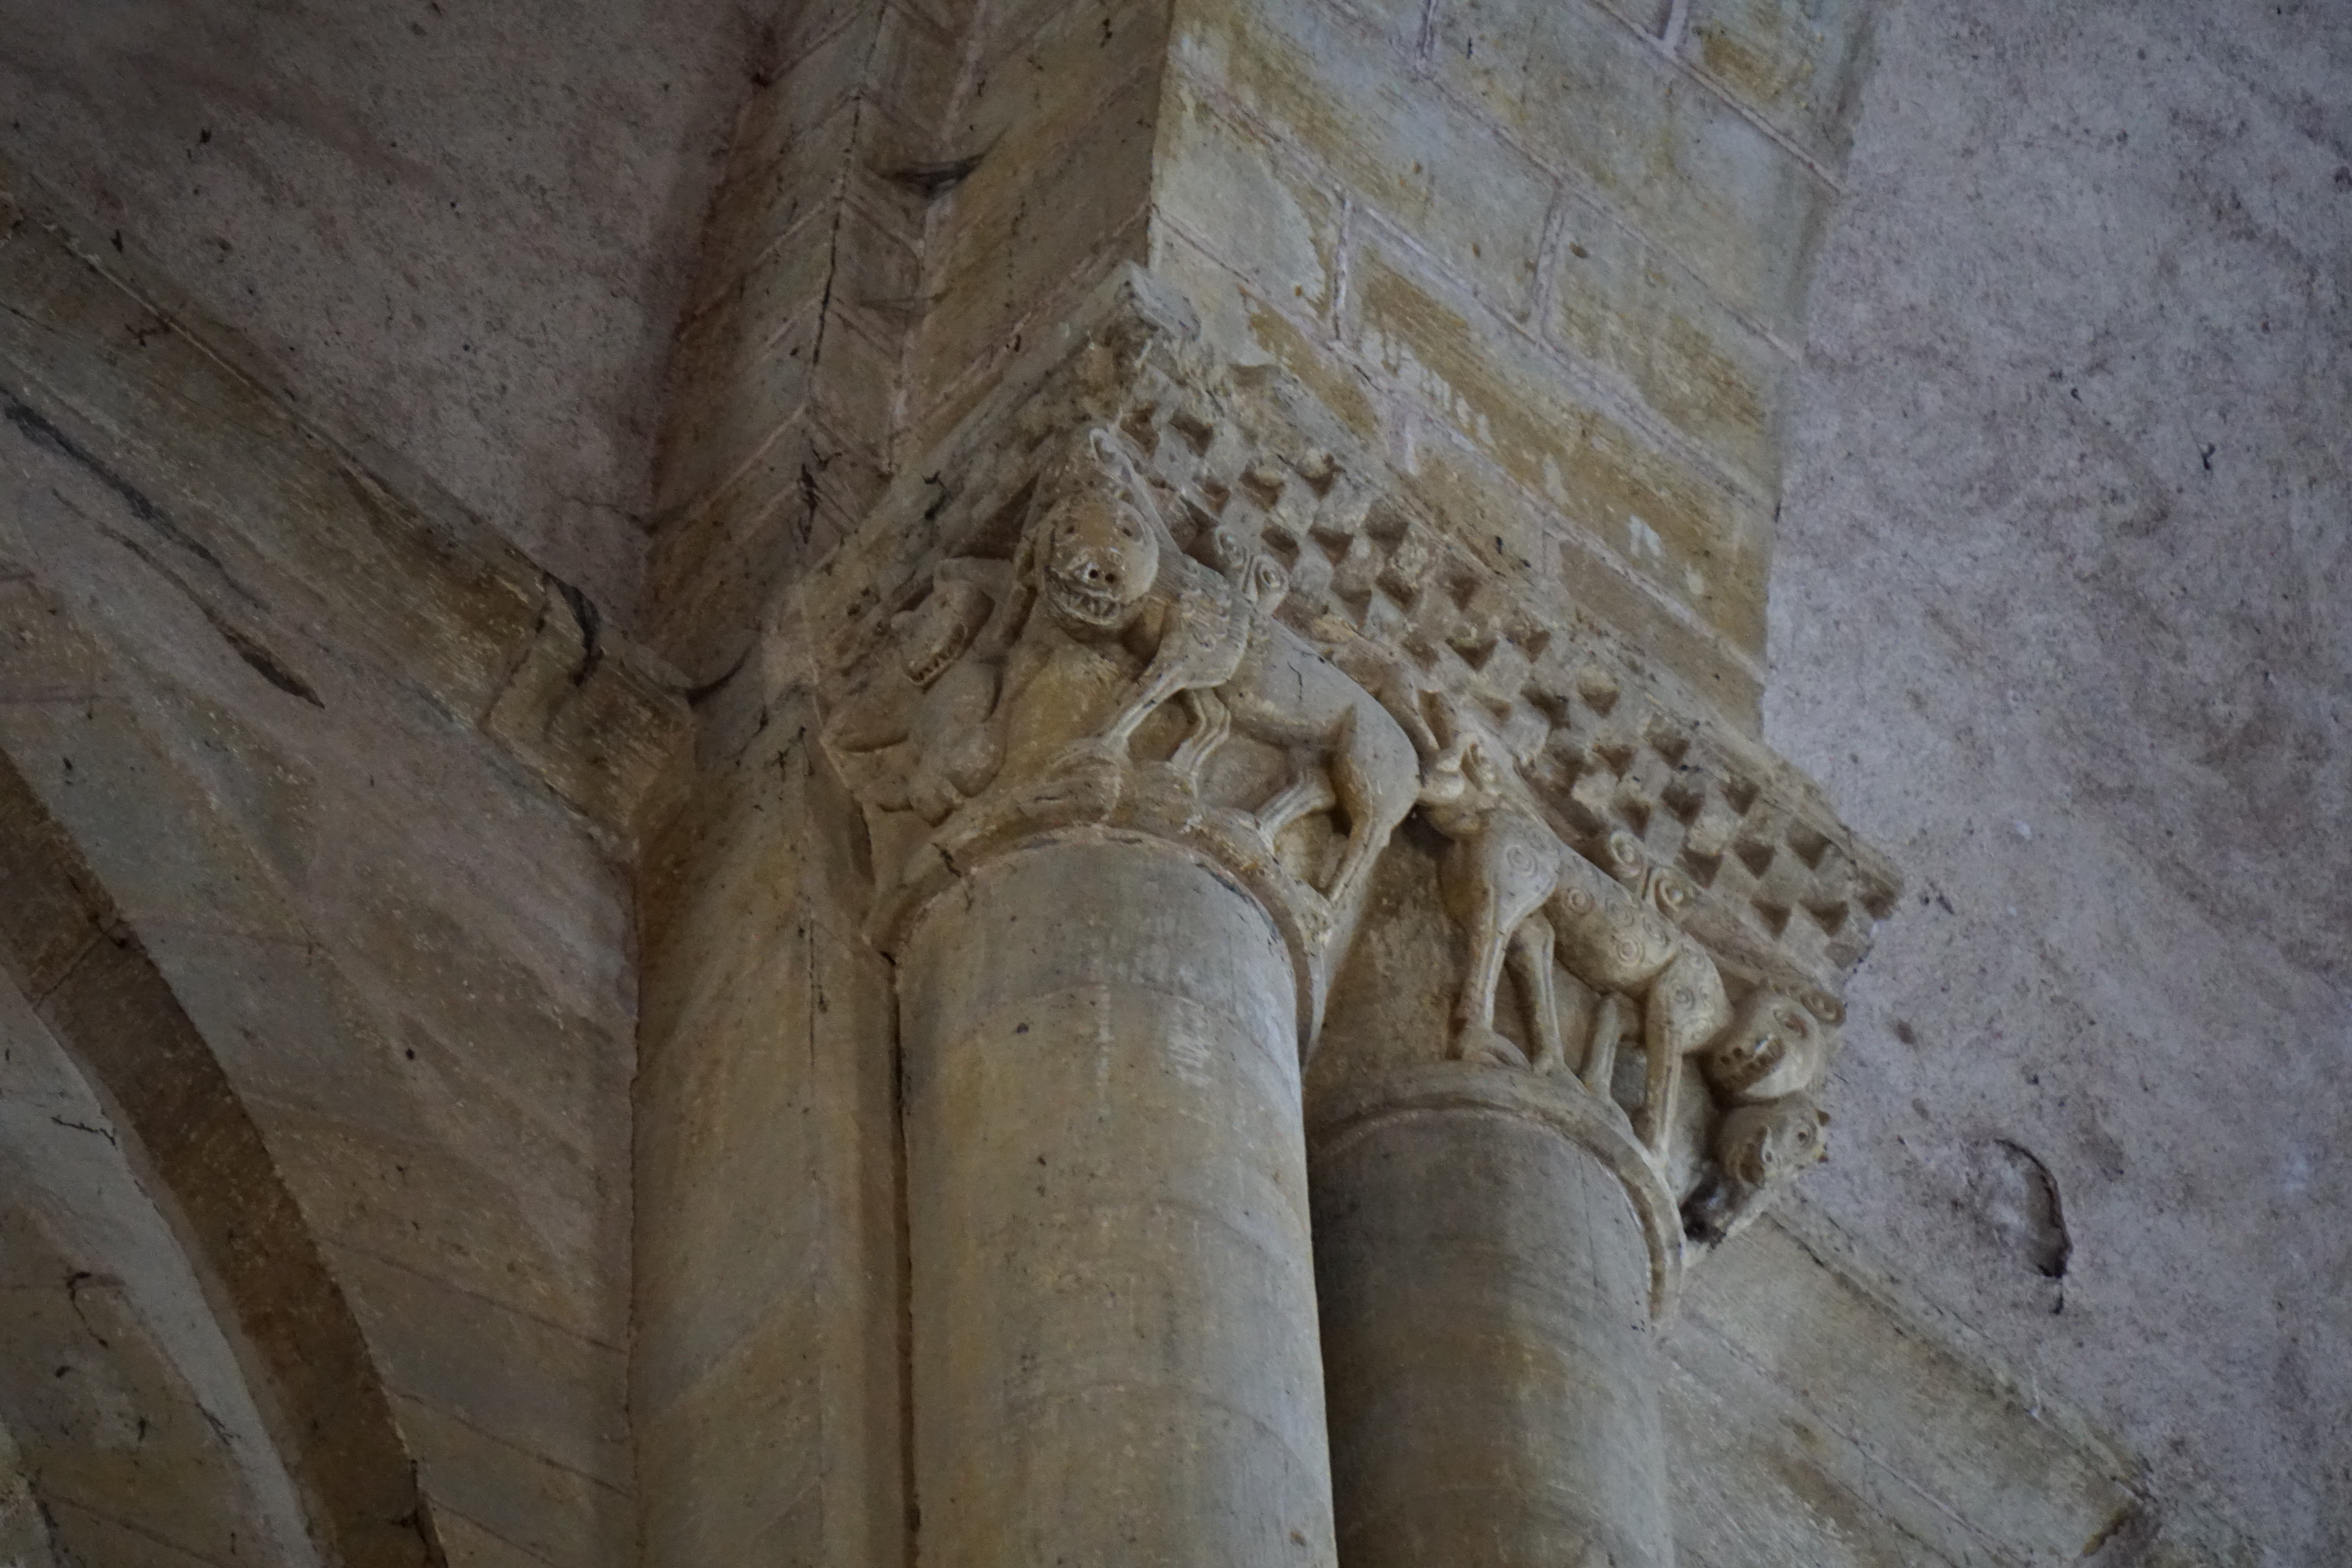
{"x":1097,"y":677}
{"x":1142,"y":591}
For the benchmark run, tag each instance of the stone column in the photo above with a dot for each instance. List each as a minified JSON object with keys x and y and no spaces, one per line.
{"x":1488,"y":1249}
{"x":1121,"y":819}
{"x":1136,"y":677}
{"x":1114,"y":1338}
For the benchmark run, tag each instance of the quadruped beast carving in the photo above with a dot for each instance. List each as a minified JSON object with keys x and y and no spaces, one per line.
{"x":1102,"y":675}
{"x":1524,"y":899}
{"x":1069,"y":663}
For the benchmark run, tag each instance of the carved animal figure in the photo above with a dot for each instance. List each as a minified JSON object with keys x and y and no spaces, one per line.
{"x":1760,"y":1149}
{"x":1773,"y":1048}
{"x":915,"y":736}
{"x":1042,"y":680}
{"x":1522,"y":897}
{"x":1085,"y":628}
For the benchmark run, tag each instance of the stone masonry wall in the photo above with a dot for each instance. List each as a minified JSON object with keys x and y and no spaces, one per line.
{"x":909,"y":188}
{"x":1553,"y":254}
{"x":1561,"y":279}
{"x":767,"y":1389}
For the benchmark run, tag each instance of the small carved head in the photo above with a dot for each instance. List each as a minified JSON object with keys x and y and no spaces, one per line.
{"x":1095,"y":550}
{"x":1098,"y":559}
{"x":934,"y":635}
{"x":1772,"y":1048}
{"x":1762,"y":1145}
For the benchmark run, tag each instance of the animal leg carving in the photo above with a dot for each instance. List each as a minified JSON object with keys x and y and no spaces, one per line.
{"x":1376,"y":782}
{"x":1309,"y":793}
{"x":1201,"y":647}
{"x":1492,"y":881}
{"x":1530,"y":961}
{"x":1600,"y":1052}
{"x":1687,"y":1008}
{"x":1213,"y":724}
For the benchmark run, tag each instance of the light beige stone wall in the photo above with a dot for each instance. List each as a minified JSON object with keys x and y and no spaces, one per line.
{"x":1552,"y":255}
{"x":911,"y":189}
{"x":362,"y":780}
{"x":1560,"y":281}
{"x":767,"y":1386}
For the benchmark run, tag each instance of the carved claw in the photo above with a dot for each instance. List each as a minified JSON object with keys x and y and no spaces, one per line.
{"x":1478,"y":1042}
{"x":1085,"y":782}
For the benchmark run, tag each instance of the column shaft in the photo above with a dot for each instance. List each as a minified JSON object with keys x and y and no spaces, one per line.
{"x":1114,"y":1333}
{"x":1485,"y":1309}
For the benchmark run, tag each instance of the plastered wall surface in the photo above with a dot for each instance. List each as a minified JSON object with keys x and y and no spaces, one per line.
{"x":467,"y":228}
{"x":2063,"y":617}
{"x":409,"y":956}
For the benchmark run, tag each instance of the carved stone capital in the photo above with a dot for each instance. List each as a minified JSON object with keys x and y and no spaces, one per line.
{"x":1141,"y":591}
{"x":1079,"y":671}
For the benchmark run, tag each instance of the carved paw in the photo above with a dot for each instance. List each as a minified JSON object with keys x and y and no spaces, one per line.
{"x":1083,"y":784}
{"x":1167,"y":793}
{"x":1479,"y":1043}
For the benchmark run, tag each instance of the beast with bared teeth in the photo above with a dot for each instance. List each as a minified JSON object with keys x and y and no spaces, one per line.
{"x":1098,"y":560}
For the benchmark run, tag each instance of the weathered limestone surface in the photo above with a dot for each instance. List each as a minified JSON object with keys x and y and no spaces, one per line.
{"x":306,"y":732}
{"x":911,"y":194}
{"x":1550,"y":255}
{"x":124,"y":1392}
{"x":1553,"y":288}
{"x":466,"y":231}
{"x":1559,"y":288}
{"x":1486,"y":1292}
{"x":2068,"y":611}
{"x":23,"y":1533}
{"x":766,"y":1379}
{"x":1112,"y":724}
{"x":1107,"y":1219}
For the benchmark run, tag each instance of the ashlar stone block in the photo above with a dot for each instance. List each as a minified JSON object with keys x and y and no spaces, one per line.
{"x":1231,"y":190}
{"x":1318,"y":83}
{"x":1798,"y":63}
{"x":1694,"y":540}
{"x":1597,"y":100}
{"x":1629,"y":309}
